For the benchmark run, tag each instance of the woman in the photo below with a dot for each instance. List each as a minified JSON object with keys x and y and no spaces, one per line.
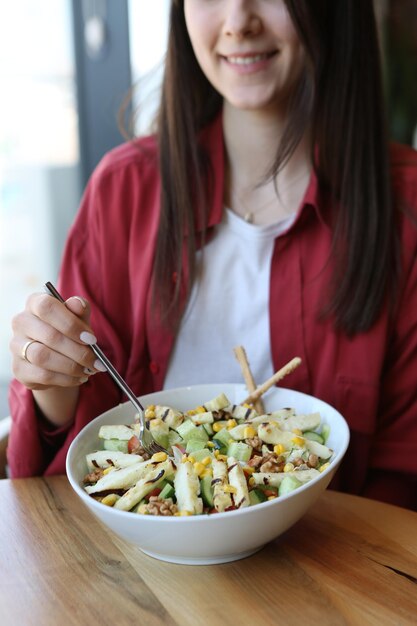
{"x":269,"y":211}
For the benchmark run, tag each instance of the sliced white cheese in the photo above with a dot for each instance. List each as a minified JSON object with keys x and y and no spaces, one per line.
{"x":187,"y":489}
{"x":275,"y":478}
{"x":237,"y":480}
{"x":122,"y":478}
{"x":202,"y":418}
{"x":170,"y":416}
{"x":276,"y":416}
{"x":323,"y":452}
{"x":105,"y":458}
{"x":118,"y":431}
{"x":238,"y":432}
{"x":270,"y":432}
{"x":147,"y":483}
{"x":241,"y":412}
{"x":309,"y":421}
{"x":222,"y":500}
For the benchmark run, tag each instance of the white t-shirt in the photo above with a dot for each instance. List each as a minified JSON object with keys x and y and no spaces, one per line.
{"x":228,"y":306}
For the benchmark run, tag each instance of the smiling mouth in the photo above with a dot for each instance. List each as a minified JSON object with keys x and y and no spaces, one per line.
{"x":249,"y":59}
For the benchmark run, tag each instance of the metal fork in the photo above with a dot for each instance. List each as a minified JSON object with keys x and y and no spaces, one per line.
{"x":145,"y":438}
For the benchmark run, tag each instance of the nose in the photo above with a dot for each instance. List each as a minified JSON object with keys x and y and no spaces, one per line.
{"x":240,"y":19}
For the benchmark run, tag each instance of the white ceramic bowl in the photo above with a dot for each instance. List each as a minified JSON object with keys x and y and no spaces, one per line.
{"x":206,"y":539}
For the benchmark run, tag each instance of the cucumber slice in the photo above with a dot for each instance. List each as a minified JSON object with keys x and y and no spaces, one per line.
{"x":325,"y":432}
{"x":288,"y":484}
{"x":239,"y":450}
{"x":187,"y":430}
{"x":193,"y":445}
{"x":256,"y":496}
{"x":168,"y":491}
{"x":207,"y":490}
{"x":313,"y":436}
{"x":115,"y":444}
{"x":209,"y":429}
{"x":223,"y":437}
{"x":220,"y":402}
{"x":199,"y":455}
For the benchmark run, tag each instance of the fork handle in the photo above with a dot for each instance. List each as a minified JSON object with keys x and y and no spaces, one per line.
{"x":102,"y":357}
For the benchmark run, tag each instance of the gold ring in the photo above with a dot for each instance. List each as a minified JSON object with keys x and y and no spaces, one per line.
{"x":23,"y":353}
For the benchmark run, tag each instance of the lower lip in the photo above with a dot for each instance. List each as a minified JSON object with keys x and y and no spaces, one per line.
{"x":250,"y":68}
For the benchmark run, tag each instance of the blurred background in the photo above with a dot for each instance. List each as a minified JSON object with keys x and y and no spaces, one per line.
{"x":66,"y":69}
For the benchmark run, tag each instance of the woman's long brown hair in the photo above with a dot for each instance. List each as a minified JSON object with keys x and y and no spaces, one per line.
{"x":340,"y":99}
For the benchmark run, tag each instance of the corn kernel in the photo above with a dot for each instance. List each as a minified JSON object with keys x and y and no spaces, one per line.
{"x":324,"y":467}
{"x":289,"y":467}
{"x":149,"y":414}
{"x":207,"y":472}
{"x":150,"y":407}
{"x":108,"y":470}
{"x":183,"y":513}
{"x":247,"y":406}
{"x":248,"y":469}
{"x":217,"y":427}
{"x":231,"y":424}
{"x":110,"y":499}
{"x":210,"y":444}
{"x":184,"y":458}
{"x":200,"y":409}
{"x":158,"y":457}
{"x":143,"y":509}
{"x":229,"y":489}
{"x":279,"y":449}
{"x":252,"y":481}
{"x":206,"y":460}
{"x":298,"y":441}
{"x":191,"y":412}
{"x":199,"y":468}
{"x":249,"y":432}
{"x":155,"y":422}
{"x":191,"y":459}
{"x":271,"y":497}
{"x":297,"y":431}
{"x":221,"y":457}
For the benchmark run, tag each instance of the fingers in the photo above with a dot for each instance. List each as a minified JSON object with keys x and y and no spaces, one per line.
{"x":61,"y":319}
{"x":51,"y":343}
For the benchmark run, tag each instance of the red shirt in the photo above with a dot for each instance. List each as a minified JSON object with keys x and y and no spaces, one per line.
{"x":370,"y":379}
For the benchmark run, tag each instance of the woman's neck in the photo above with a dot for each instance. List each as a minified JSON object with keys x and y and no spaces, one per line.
{"x":251,"y":140}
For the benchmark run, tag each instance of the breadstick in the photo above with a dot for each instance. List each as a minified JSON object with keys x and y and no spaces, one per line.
{"x":279,"y":375}
{"x":240,"y":354}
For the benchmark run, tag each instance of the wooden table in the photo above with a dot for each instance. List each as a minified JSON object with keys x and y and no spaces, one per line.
{"x":348,"y":561}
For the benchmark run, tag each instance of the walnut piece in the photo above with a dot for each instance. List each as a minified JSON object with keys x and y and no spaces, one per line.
{"x":272,"y":463}
{"x":93,"y":477}
{"x":161,"y":506}
{"x":254,"y":442}
{"x":313,"y":460}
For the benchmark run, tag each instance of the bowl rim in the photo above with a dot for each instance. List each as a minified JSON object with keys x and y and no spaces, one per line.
{"x":331,"y":469}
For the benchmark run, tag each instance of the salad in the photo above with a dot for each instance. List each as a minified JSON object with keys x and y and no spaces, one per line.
{"x":221,"y":457}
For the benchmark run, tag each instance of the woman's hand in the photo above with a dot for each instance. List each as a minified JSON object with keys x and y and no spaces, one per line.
{"x":50,"y":343}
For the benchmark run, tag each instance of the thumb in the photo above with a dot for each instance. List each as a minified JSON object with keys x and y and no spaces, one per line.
{"x":80,"y":307}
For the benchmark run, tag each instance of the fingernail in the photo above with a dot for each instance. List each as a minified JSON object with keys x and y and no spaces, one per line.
{"x":80,"y":300}
{"x":88,"y":371}
{"x":99,"y":366}
{"x":88,"y":338}
{"x":84,"y":379}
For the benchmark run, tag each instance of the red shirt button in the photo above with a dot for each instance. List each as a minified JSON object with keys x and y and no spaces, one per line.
{"x":154,"y":367}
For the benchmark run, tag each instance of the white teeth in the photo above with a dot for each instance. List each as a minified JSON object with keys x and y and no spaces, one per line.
{"x":247,"y":60}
